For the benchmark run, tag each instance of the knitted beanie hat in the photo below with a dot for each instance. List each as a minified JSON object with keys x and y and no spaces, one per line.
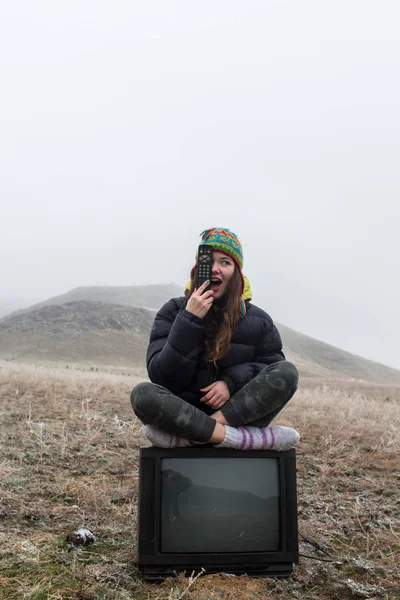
{"x":226,"y":242}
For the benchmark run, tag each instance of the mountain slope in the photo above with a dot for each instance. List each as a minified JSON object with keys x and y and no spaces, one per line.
{"x":314,"y":357}
{"x":114,"y":334}
{"x":148,"y":296}
{"x":88,"y":332}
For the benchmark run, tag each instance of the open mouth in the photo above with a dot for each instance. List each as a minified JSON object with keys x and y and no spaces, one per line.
{"x":215,"y":284}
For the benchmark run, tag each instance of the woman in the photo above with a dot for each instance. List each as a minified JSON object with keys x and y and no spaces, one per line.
{"x":216,"y":364}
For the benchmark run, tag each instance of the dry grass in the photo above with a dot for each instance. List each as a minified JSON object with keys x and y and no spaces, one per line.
{"x":68,"y":458}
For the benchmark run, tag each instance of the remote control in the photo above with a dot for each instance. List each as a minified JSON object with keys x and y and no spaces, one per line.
{"x":205,"y":263}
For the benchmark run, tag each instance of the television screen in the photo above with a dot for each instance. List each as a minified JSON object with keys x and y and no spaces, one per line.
{"x":217,"y":509}
{"x":220,"y":505}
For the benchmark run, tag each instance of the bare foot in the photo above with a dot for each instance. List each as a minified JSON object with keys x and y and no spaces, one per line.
{"x":218,"y":435}
{"x":219,"y":417}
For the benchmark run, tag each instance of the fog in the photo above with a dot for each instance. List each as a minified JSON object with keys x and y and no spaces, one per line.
{"x":129,"y":127}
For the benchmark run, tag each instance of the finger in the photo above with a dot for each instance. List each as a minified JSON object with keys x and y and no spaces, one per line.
{"x":209,"y":387}
{"x":205,"y":398}
{"x":219,"y":404}
{"x":208,"y":294}
{"x":196,"y":292}
{"x":215,"y":406}
{"x":204,"y":285}
{"x":213,"y":400}
{"x":209,"y":396}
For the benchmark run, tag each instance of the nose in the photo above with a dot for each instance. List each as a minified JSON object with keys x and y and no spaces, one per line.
{"x":215,"y":269}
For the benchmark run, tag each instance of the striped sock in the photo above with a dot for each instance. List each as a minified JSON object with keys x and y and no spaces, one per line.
{"x":259,"y":438}
{"x":161,"y":439}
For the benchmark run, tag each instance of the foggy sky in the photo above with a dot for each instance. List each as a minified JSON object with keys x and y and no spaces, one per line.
{"x":129,"y":127}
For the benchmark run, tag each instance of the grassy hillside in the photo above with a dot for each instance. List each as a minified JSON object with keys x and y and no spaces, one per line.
{"x":69,"y":458}
{"x":318,"y":358}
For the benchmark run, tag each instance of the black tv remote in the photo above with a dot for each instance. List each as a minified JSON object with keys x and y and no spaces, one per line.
{"x":205,"y":263}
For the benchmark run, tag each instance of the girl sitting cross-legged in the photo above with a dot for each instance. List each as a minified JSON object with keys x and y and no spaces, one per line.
{"x":216,"y":366}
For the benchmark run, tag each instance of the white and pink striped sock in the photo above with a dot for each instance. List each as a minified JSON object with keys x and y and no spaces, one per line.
{"x":260,"y":438}
{"x":161,"y":439}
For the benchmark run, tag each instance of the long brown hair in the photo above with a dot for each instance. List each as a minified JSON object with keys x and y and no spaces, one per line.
{"x":222,"y":318}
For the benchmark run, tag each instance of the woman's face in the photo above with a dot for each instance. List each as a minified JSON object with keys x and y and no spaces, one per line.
{"x":222,"y":271}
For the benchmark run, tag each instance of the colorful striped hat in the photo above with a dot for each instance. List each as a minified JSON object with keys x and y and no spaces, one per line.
{"x":225,"y":241}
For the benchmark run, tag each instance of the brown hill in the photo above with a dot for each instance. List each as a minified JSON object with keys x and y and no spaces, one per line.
{"x":77,"y":332}
{"x":117,"y":335}
{"x":147,"y":296}
{"x":316,"y":358}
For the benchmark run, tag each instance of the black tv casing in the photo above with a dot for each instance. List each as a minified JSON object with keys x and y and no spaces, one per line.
{"x":156,"y":565}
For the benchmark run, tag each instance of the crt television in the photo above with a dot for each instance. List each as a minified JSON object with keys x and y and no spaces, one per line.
{"x":222,"y":510}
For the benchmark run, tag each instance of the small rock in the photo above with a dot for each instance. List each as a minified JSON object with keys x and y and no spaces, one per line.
{"x":81,"y":537}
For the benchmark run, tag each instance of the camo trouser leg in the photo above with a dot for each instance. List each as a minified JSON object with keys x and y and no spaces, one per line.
{"x":155,"y":405}
{"x":257,"y":403}
{"x":260,"y":400}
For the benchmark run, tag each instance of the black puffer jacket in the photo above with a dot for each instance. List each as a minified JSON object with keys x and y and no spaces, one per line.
{"x":175,"y":356}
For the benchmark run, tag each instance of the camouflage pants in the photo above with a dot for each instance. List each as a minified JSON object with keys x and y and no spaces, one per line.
{"x":256,"y":403}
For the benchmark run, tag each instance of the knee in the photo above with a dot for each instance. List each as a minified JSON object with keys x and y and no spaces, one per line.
{"x":290,"y":373}
{"x":286,"y":372}
{"x":139,"y":398}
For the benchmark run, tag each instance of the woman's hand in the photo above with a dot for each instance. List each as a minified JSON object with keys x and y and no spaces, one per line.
{"x":200,"y":301}
{"x":217,"y":394}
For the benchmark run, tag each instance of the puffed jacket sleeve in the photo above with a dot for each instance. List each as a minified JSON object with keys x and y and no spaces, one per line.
{"x":268,"y":352}
{"x":176,"y":344}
